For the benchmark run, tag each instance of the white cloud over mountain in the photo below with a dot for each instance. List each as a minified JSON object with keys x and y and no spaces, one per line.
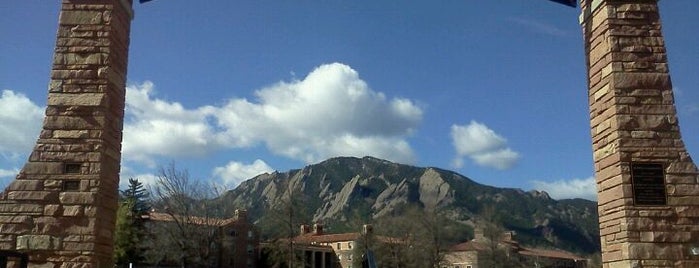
{"x":574,"y":188}
{"x":330,"y":112}
{"x":236,"y":172}
{"x":482,"y":145}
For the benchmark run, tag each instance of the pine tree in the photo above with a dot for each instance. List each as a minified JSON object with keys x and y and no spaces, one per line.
{"x":130,"y":229}
{"x":137,"y":194}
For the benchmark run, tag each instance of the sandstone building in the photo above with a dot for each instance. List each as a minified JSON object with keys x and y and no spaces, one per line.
{"x":233,"y":242}
{"x":476,"y":253}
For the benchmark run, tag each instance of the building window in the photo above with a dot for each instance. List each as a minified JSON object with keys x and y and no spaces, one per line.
{"x":71,"y":168}
{"x":234,"y":233}
{"x":349,"y":245}
{"x":339,"y":246}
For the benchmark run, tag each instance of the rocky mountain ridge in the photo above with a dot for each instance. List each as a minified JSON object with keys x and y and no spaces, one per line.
{"x":340,"y":189}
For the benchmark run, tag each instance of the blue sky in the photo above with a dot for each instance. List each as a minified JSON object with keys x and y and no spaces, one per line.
{"x":494,"y":90}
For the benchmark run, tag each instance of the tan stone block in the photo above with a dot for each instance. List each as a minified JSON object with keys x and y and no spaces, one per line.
{"x":73,"y":74}
{"x":90,"y":211}
{"x":683,"y":200}
{"x":25,"y":185}
{"x":644,"y":134}
{"x":679,"y":168}
{"x":609,"y":178}
{"x":42,"y":168}
{"x":25,"y":209}
{"x":79,"y":198}
{"x":38,"y":242}
{"x":72,"y":211}
{"x":612,"y":216}
{"x":23,"y":219}
{"x":80,"y":99}
{"x":80,"y":17}
{"x":84,"y":227}
{"x":685,"y":190}
{"x":71,"y":123}
{"x":52,"y":210}
{"x":87,"y":59}
{"x":641,"y":80}
{"x":31,"y":195}
{"x":612,"y":256}
{"x":607,"y":150}
{"x":14,"y":229}
{"x":651,"y":251}
{"x":70,"y":134}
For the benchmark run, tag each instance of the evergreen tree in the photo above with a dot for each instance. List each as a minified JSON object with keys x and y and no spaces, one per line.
{"x":126,"y":235}
{"x":130,"y":229}
{"x":138,"y":195}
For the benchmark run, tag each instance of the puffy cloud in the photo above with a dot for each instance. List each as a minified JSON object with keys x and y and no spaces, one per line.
{"x":20,"y":123}
{"x":157,"y":127}
{"x":500,"y":159}
{"x":482,"y":145}
{"x":330,"y":112}
{"x":236,"y":172}
{"x":564,"y":189}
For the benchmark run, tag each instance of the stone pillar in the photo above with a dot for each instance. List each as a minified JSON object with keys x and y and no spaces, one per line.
{"x":648,"y":191}
{"x":61,"y":207}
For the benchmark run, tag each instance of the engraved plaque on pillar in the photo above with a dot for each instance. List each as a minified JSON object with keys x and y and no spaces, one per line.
{"x":648,"y":184}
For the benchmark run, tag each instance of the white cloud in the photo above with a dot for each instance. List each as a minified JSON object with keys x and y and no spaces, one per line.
{"x":20,"y":124}
{"x":475,"y":138}
{"x":157,"y":127}
{"x":331,"y":112}
{"x":564,"y":189}
{"x":236,"y":172}
{"x":482,"y":145}
{"x":8,"y":173}
{"x":501,"y":159}
{"x":539,"y":27}
{"x":6,"y":177}
{"x":147,"y":179}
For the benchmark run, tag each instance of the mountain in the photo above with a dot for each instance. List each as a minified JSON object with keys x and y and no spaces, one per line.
{"x":338,"y":189}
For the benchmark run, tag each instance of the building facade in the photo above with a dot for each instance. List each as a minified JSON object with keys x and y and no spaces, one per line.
{"x":225,"y":243}
{"x":483,"y":252}
{"x":334,"y":250}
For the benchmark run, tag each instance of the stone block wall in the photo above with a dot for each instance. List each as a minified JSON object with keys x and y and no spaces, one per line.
{"x":634,"y":124}
{"x":61,"y":207}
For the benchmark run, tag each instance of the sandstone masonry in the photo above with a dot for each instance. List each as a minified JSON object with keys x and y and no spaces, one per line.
{"x":61,"y":207}
{"x":634,"y":127}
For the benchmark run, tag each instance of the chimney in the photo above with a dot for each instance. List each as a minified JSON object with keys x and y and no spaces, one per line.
{"x":508,"y":236}
{"x":317,"y":229}
{"x":241,"y":214}
{"x":305,"y":229}
{"x":367,"y":229}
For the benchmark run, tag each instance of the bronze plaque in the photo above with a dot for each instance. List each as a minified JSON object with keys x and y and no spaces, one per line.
{"x":648,"y":181}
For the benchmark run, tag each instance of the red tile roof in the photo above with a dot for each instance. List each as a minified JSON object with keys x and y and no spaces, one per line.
{"x":549,"y":253}
{"x":326,"y":238}
{"x":159,"y":216}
